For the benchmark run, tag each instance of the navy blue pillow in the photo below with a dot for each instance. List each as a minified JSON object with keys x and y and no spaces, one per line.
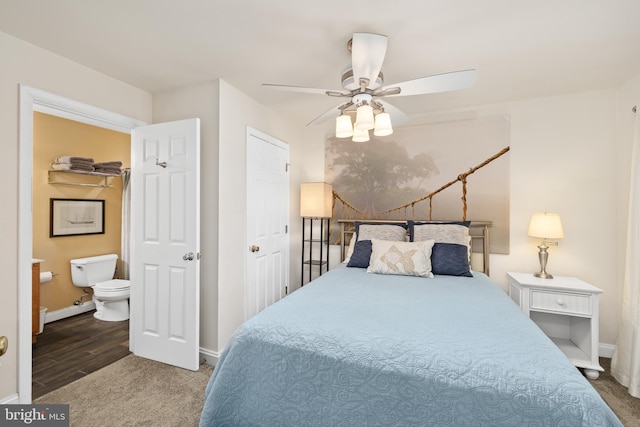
{"x":450,"y":260}
{"x":361,"y":254}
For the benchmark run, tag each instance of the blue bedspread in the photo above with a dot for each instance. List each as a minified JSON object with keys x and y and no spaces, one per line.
{"x":358,"y":349}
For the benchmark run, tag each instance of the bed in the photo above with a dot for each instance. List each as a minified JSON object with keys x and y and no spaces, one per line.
{"x":401,"y":347}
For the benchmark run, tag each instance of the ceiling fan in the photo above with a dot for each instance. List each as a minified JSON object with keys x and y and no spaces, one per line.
{"x":363,"y":84}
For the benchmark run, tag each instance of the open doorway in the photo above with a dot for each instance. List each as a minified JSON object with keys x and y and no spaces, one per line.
{"x":56,"y":139}
{"x":33,"y":100}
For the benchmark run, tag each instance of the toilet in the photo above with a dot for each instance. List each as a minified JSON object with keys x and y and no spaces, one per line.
{"x":110,"y":295}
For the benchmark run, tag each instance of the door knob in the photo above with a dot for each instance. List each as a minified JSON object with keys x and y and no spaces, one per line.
{"x":4,"y":344}
{"x":254,"y":248}
{"x":188,"y":256}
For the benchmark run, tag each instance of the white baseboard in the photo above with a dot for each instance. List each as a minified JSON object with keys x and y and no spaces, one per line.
{"x":14,"y":399}
{"x":69,"y":311}
{"x":606,"y":350}
{"x":209,"y":357}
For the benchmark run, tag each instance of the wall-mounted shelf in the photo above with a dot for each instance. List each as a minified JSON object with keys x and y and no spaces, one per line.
{"x":62,"y":178}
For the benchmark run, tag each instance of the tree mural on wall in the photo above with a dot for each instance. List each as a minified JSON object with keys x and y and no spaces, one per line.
{"x":376,"y":176}
{"x":421,"y":173}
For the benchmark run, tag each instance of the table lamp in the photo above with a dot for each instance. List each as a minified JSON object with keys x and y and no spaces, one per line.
{"x":545,"y":226}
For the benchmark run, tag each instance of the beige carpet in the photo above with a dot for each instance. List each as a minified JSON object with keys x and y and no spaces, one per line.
{"x":139,"y":392}
{"x":134,"y":392}
{"x":625,"y":406}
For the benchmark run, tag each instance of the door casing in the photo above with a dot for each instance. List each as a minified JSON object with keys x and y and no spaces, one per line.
{"x":31,"y":100}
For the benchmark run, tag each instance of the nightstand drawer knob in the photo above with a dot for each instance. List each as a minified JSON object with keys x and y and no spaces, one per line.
{"x":561,"y":302}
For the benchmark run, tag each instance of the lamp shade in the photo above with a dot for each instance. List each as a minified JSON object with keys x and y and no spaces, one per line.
{"x":383,"y":125}
{"x":344,"y":128}
{"x":316,"y":200}
{"x":546,"y":226}
{"x":360,"y":135}
{"x":364,"y":117}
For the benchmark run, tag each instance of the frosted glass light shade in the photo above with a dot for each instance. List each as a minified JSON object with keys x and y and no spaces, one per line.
{"x":383,"y":125}
{"x":546,"y":226}
{"x":344,"y":128}
{"x":316,"y":200}
{"x":360,"y":135}
{"x":364,"y":117}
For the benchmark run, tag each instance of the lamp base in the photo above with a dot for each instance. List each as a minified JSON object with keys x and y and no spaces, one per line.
{"x":543,"y":275}
{"x":543,"y":256}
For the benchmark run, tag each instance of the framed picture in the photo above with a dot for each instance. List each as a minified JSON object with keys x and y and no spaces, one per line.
{"x":74,"y":217}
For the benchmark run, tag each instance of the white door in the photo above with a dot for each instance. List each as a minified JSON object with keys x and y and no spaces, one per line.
{"x":165,"y":243}
{"x":267,"y":277}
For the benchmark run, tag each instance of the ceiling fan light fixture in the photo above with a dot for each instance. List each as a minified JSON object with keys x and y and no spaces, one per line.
{"x":360,"y":135}
{"x":383,"y":125}
{"x":364,"y":117}
{"x":344,"y":128}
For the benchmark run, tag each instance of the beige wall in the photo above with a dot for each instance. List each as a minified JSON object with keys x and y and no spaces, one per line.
{"x":201,"y":101}
{"x":23,"y":63}
{"x":237,"y":111}
{"x":54,"y":137}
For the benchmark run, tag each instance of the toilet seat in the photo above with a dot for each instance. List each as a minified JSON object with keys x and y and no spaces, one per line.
{"x":115,"y":285}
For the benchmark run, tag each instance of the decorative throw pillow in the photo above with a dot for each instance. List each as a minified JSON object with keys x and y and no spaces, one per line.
{"x":352,"y":245}
{"x":449,"y":259}
{"x":395,"y":232}
{"x":450,"y":254}
{"x":361,"y":254}
{"x":401,"y":258}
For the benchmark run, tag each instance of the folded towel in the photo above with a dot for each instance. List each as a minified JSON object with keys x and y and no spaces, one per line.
{"x":114,"y":164}
{"x":110,"y":172}
{"x":73,"y":159}
{"x":71,"y":167}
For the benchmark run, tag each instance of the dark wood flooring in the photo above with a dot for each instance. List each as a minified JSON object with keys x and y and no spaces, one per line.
{"x":69,"y":349}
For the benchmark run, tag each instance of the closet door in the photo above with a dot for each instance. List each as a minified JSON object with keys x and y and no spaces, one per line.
{"x":267,"y":259}
{"x":165,"y":243}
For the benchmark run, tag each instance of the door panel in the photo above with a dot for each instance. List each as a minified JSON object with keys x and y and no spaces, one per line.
{"x":267,"y":275}
{"x":165,"y":189}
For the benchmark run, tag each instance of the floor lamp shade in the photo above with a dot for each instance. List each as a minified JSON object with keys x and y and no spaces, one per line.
{"x":316,"y":200}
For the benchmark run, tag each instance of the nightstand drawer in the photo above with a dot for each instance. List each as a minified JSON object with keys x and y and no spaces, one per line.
{"x":561,"y":302}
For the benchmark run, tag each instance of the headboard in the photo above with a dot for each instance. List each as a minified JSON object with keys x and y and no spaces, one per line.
{"x":478,"y":230}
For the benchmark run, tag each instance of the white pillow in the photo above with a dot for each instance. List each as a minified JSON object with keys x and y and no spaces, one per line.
{"x":401,"y":258}
{"x":352,"y":245}
{"x":381,"y":232}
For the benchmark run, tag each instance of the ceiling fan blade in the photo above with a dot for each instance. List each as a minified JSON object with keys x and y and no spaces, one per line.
{"x":367,"y":55}
{"x":454,"y":80}
{"x":312,"y":90}
{"x":398,"y":117}
{"x":331,"y":114}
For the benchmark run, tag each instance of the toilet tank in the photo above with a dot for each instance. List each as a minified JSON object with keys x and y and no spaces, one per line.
{"x":88,"y":271}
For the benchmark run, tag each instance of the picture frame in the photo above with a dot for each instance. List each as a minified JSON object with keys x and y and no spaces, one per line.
{"x":76,"y":217}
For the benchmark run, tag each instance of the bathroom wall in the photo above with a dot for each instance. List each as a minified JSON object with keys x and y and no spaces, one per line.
{"x":55,"y":137}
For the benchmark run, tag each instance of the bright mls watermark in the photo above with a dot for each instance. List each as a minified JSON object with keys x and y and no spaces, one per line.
{"x":34,"y":415}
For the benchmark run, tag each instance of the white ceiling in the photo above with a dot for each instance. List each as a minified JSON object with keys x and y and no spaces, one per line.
{"x":521,"y":49}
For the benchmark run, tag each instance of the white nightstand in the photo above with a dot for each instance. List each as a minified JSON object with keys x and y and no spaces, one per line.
{"x":566,"y":309}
